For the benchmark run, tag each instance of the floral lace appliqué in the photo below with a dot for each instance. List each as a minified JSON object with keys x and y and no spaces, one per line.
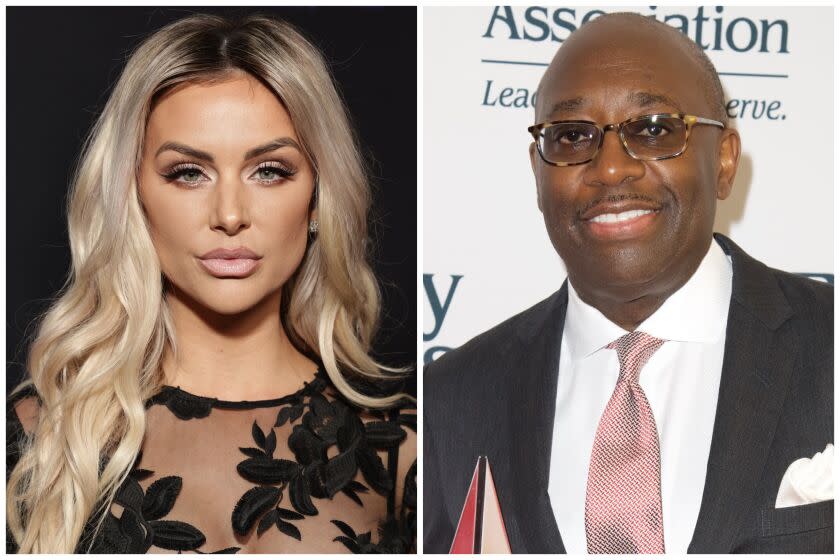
{"x":313,"y":474}
{"x":141,"y":525}
{"x":182,"y":404}
{"x":331,"y":445}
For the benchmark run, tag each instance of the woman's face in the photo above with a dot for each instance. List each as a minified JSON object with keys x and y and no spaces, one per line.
{"x":226,"y":189}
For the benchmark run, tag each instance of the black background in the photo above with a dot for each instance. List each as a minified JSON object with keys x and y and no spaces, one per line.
{"x":61,"y":65}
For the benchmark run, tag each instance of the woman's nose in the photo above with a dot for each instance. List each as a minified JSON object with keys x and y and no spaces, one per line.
{"x":230,"y":211}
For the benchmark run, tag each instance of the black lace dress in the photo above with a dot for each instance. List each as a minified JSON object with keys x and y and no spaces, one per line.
{"x":308,"y":472}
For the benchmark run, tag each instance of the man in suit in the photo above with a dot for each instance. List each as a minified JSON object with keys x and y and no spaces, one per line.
{"x":655,"y":402}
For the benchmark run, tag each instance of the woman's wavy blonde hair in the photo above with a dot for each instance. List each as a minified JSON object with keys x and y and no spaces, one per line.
{"x":96,"y":358}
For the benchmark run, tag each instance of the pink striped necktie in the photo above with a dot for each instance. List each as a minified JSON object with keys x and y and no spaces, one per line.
{"x":623,"y":495}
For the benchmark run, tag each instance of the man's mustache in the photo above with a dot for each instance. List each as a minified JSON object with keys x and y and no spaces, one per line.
{"x":616,"y":198}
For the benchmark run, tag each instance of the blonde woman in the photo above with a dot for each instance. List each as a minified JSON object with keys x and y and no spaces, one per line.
{"x":204,"y":381}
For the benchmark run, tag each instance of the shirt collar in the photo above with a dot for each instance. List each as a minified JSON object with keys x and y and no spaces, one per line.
{"x":697,"y":312}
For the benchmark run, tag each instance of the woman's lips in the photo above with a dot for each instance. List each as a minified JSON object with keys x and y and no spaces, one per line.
{"x":230,"y":263}
{"x":230,"y":268}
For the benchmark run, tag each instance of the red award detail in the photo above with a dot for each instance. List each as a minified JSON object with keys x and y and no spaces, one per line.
{"x":481,"y":528}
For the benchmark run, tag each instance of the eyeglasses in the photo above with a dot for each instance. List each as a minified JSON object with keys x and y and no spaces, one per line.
{"x":649,"y":137}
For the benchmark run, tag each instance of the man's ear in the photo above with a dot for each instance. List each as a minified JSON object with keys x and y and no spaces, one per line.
{"x":729,"y":155}
{"x":535,"y":161}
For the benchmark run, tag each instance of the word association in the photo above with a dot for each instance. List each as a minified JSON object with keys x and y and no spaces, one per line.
{"x":741,"y":34}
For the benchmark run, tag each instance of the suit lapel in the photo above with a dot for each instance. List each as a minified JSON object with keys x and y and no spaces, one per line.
{"x":532,"y":402}
{"x":758,"y":360}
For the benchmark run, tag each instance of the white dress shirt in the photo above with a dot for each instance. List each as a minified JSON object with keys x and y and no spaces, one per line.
{"x":681,"y":382}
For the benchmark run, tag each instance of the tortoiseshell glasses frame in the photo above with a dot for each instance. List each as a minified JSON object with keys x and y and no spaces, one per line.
{"x":631,"y":132}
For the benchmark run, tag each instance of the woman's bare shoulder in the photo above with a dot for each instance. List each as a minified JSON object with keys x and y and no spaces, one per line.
{"x":24,"y":407}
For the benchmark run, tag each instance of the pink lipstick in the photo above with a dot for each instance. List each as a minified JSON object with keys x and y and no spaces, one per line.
{"x":230,"y":263}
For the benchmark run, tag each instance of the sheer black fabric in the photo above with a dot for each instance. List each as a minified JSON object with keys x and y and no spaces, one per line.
{"x":307,"y":472}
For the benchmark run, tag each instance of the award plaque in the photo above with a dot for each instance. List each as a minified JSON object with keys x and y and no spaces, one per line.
{"x":481,"y":529}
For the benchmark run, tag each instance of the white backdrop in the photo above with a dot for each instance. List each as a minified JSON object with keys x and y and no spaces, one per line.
{"x":486,"y":253}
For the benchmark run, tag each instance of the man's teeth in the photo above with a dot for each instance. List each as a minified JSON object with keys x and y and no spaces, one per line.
{"x":623,"y":217}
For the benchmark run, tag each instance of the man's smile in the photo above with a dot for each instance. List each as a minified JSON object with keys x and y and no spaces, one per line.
{"x":620,"y":219}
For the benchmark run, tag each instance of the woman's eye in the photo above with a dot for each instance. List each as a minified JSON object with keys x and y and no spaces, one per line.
{"x":191,"y":176}
{"x":267,"y":174}
{"x":272,"y":173}
{"x":185,"y":174}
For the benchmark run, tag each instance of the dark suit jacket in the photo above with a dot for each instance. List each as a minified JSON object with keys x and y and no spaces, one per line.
{"x":495,"y":396}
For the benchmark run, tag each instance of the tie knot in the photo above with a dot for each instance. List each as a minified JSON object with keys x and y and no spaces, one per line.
{"x":634,"y":350}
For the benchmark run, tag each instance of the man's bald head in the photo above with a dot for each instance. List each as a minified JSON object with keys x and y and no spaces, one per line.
{"x":634,"y":28}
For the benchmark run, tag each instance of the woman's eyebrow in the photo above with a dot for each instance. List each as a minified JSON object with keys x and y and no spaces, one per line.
{"x":275,"y":144}
{"x":271,"y":146}
{"x":184,"y":149}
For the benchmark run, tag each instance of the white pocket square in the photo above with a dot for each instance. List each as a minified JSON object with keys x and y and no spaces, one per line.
{"x":808,"y":481}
